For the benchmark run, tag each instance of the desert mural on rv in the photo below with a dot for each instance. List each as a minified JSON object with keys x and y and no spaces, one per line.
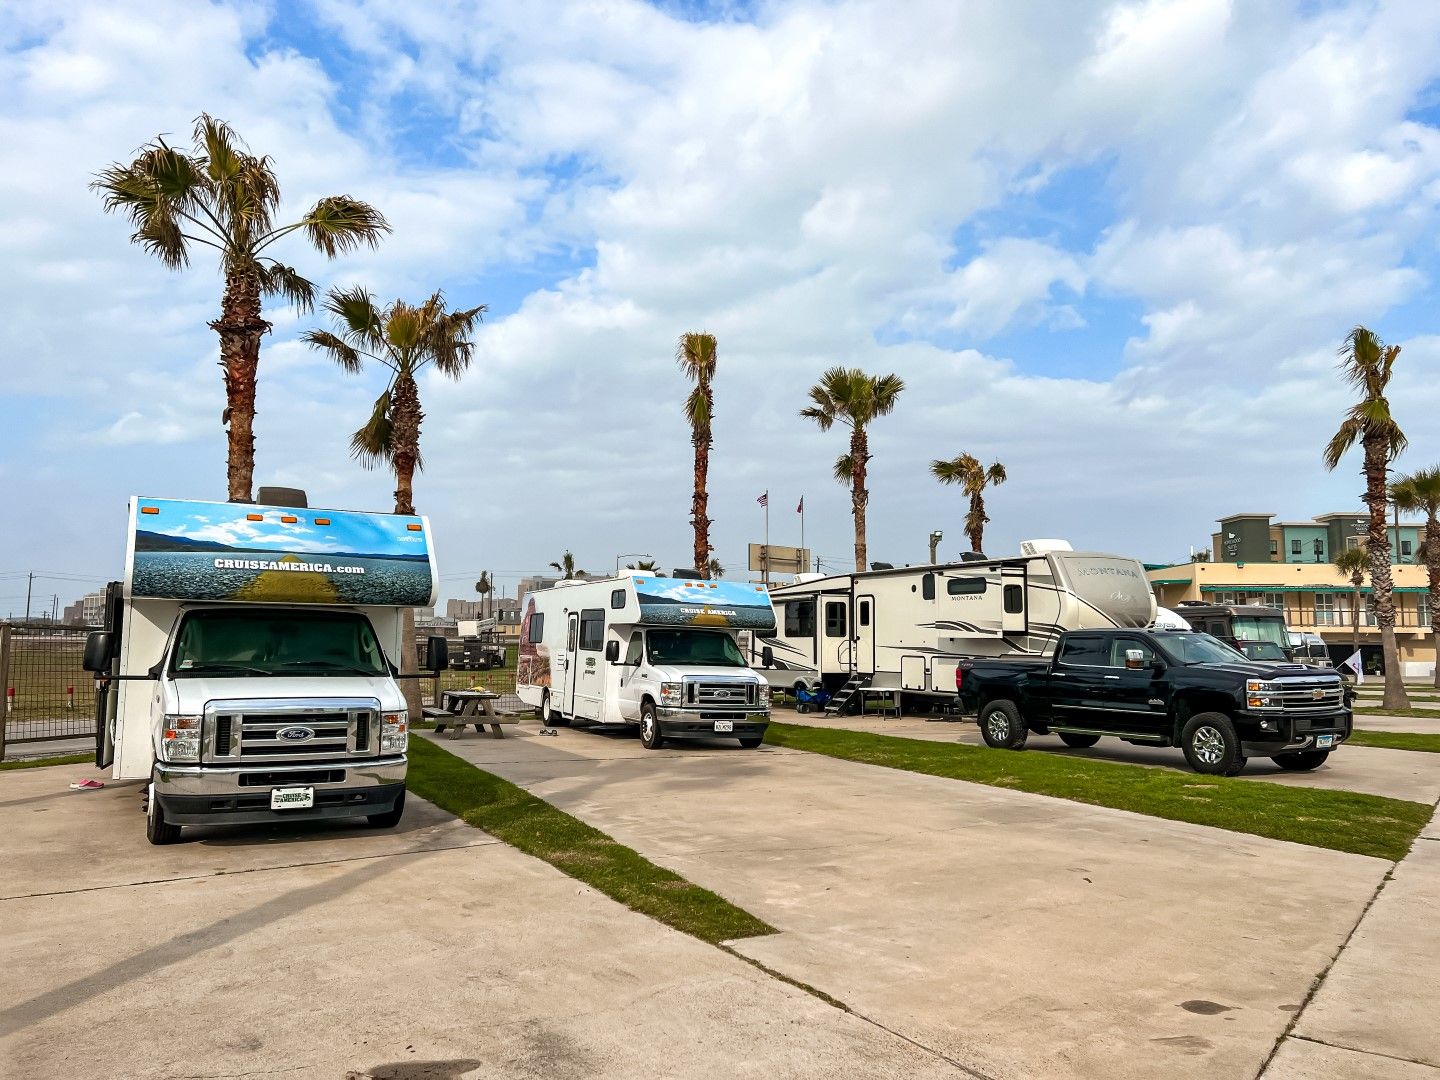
{"x":228,"y":551}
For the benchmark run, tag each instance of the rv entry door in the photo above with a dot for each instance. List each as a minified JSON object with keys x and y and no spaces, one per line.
{"x":864,"y":635}
{"x":567,"y":689}
{"x":1014,"y":618}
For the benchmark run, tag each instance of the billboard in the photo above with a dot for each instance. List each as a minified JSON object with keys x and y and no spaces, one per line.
{"x":181,"y":550}
{"x":685,"y":602}
{"x":777,"y":559}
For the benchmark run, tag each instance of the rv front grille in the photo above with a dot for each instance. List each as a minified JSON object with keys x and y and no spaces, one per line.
{"x":721,"y":695}
{"x":288,"y":730}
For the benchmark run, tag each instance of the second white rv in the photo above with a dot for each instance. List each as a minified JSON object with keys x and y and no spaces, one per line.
{"x":906,"y":628}
{"x":658,"y":653}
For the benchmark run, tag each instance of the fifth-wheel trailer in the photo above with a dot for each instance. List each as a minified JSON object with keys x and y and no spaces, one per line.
{"x":906,"y":628}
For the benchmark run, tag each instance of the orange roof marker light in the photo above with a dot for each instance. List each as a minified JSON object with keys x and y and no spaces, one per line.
{"x":254,"y":517}
{"x":322,"y":521}
{"x":414,"y":528}
{"x":289,"y":519}
{"x":149,"y":509}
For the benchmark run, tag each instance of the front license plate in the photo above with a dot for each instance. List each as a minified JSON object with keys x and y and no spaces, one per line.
{"x":724,"y":726}
{"x":1324,"y":741}
{"x":292,"y":798}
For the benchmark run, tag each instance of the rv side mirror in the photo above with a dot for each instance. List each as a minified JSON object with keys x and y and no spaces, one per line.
{"x":612,"y":652}
{"x":437,"y":653}
{"x":1134,"y":659}
{"x":767,"y":657}
{"x":99,"y":646}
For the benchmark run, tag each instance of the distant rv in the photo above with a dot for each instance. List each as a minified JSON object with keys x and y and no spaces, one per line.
{"x":905,"y":629}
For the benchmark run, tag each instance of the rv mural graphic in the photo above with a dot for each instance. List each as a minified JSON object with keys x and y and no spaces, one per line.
{"x":533,"y":665}
{"x":232,"y":551}
{"x":684,"y":602}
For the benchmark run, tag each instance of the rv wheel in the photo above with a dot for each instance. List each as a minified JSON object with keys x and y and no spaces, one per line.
{"x":157,"y":829}
{"x":549,"y":717}
{"x":391,"y":817}
{"x":650,"y":736}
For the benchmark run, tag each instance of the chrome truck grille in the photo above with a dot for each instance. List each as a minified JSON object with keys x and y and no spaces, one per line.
{"x":1310,"y":695}
{"x":716,"y":695}
{"x":309,"y":729}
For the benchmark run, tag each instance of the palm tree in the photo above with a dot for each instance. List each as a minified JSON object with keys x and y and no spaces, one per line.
{"x":1366,"y":363}
{"x":1354,"y":563}
{"x":853,"y":398}
{"x":974,"y":478}
{"x":405,"y":338}
{"x":714,"y":570}
{"x":566,"y":566}
{"x":223,"y":197}
{"x":645,"y":565}
{"x":1421,"y":491}
{"x":484,"y":587}
{"x":696,"y":356}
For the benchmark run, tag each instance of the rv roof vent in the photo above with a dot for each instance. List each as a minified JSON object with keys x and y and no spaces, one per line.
{"x":882,"y":566}
{"x":687,"y":575}
{"x":278,"y":496}
{"x":1041,"y":547}
{"x":972,"y":556}
{"x":807,"y":577}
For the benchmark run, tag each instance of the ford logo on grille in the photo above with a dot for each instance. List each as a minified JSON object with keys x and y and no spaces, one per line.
{"x":295,"y":734}
{"x":722,"y":693}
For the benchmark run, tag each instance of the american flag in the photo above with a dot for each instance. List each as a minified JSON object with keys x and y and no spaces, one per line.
{"x":764,"y":500}
{"x":801,"y":508}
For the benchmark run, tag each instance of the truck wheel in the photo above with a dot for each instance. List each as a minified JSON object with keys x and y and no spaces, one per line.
{"x":391,"y":817}
{"x":157,"y":829}
{"x":650,"y":736}
{"x":1301,"y":760}
{"x":548,"y":716}
{"x":1001,"y":726}
{"x":750,"y":742}
{"x":1211,"y":745}
{"x":1078,"y":741}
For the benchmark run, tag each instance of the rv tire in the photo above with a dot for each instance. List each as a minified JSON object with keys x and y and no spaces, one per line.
{"x":1001,"y":726}
{"x":391,"y":817}
{"x":650,"y":736}
{"x":157,"y":829}
{"x":549,"y":717}
{"x":750,"y":742}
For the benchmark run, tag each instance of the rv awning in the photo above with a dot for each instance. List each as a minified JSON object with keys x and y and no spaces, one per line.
{"x":1302,"y":588}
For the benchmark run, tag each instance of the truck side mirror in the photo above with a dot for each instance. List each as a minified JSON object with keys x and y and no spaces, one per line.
{"x":612,"y":652}
{"x":767,"y":657}
{"x":99,"y":647}
{"x":1134,"y":659}
{"x":437,"y":653}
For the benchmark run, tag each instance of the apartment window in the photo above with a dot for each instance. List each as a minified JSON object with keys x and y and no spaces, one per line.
{"x":1295,"y":548}
{"x":835,"y":618}
{"x":1422,"y":604}
{"x":800,"y":618}
{"x":966,"y":586}
{"x":1325,"y":613}
{"x":1273,"y":600}
{"x":1274,"y":548}
{"x":1407,"y":547}
{"x":592,"y":629}
{"x":1354,"y":541}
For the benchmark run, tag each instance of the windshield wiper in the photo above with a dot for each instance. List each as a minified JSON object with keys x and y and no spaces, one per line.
{"x":242,"y":669}
{"x":330,"y":665}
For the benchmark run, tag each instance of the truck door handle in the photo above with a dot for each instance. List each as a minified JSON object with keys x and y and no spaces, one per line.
{"x":1112,"y":676}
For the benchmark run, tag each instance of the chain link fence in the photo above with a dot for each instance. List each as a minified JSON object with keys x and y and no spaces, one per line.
{"x":48,"y":694}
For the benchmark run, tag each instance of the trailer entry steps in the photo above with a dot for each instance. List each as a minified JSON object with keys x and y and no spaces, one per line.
{"x":847,"y":698}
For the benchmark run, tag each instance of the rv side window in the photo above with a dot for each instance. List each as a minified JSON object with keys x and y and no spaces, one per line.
{"x":864,"y":612}
{"x":570,"y":638}
{"x":927,"y":586}
{"x":835,"y":618}
{"x":800,"y":618}
{"x":617,"y":599}
{"x":634,"y":654}
{"x":537,"y":627}
{"x":592,"y":630}
{"x":1085,"y":652}
{"x":966,"y":586}
{"x":1014,"y":599}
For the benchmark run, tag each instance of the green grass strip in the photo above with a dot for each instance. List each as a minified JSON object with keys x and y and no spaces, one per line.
{"x":512,"y":814}
{"x":1367,"y":709}
{"x":1341,"y":820}
{"x":1396,"y":740}
{"x":46,"y":762}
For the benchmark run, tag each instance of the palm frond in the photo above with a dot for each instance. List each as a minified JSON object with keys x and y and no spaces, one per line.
{"x":845,"y":468}
{"x":276,"y":279}
{"x":339,"y":223}
{"x":696,"y":355}
{"x":343,"y":354}
{"x":996,"y":474}
{"x":355,"y":309}
{"x":1419,"y":490}
{"x":371,"y":444}
{"x":223,"y":148}
{"x":697,"y":409}
{"x":1340,"y":443}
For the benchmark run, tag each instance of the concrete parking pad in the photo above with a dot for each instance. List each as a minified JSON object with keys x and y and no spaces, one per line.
{"x":1021,"y":935}
{"x":1299,"y":1059}
{"x":368,"y":954}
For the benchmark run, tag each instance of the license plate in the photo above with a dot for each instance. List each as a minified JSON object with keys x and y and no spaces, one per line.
{"x":1323,"y":741}
{"x":723,"y":726}
{"x":292,"y":798}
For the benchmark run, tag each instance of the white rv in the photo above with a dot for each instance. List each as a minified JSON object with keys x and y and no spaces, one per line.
{"x":905,"y":629}
{"x":247,"y":668}
{"x":660,"y":653}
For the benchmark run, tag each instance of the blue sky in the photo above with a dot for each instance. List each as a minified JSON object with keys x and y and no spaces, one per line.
{"x":1112,"y":244}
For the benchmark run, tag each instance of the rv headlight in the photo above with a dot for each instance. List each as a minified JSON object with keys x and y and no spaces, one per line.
{"x":182,"y":737}
{"x":672,"y":693}
{"x":394,"y":732}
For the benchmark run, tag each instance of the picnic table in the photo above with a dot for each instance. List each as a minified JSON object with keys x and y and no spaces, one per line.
{"x":461,"y":707}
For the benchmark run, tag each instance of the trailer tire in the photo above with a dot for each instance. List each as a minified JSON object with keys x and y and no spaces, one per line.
{"x":391,"y":817}
{"x":1001,"y":725}
{"x":650,"y":736}
{"x":1076,"y":740}
{"x":157,"y":829}
{"x":1211,"y":745}
{"x":548,"y":716}
{"x":1301,"y":760}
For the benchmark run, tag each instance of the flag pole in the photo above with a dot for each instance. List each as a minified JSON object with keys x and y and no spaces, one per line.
{"x":802,"y":530}
{"x":767,"y":537}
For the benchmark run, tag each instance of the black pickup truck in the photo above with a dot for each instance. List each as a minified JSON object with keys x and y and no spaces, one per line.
{"x":1160,"y":688}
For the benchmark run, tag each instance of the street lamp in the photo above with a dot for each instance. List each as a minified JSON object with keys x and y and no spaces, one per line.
{"x":935,"y":538}
{"x":632,"y":555}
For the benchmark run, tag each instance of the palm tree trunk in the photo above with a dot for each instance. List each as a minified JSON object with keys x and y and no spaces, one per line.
{"x":859,"y":496}
{"x":1355,"y":623}
{"x":1432,"y":567}
{"x":240,"y":328}
{"x":700,"y":504}
{"x":1377,"y":496}
{"x":405,"y":440}
{"x":975,"y":523}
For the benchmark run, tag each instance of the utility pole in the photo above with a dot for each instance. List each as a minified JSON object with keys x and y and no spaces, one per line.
{"x":28,"y":584}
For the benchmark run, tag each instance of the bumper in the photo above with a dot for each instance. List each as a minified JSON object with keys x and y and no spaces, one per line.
{"x":1292,"y":736}
{"x":689,"y":724}
{"x":195,"y":795}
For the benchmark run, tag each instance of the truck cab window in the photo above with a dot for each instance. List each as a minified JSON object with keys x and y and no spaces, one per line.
{"x":800,"y":618}
{"x":835,"y":618}
{"x":592,"y":630}
{"x":1086,"y":652}
{"x":636,"y":652}
{"x":1120,"y":646}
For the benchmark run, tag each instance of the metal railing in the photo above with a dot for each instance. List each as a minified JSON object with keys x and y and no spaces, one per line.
{"x":48,"y":694}
{"x":1297,"y":617}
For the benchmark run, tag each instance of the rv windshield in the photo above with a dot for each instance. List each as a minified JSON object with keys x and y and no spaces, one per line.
{"x":1190,"y":648}
{"x":1254,"y":628}
{"x":693,"y":647}
{"x":274,"y":642}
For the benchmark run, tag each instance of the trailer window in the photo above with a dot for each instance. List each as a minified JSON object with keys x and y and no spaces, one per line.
{"x":1086,"y":652}
{"x":617,"y":599}
{"x":927,"y":587}
{"x":835,"y":618}
{"x":1014,"y":599}
{"x":592,"y":630}
{"x":537,"y":627}
{"x":800,"y":618}
{"x":966,"y":586}
{"x":864,"y":612}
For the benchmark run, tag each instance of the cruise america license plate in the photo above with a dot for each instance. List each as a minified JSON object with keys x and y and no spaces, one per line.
{"x":292,"y":798}
{"x":1323,"y":742}
{"x":724,"y":726}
